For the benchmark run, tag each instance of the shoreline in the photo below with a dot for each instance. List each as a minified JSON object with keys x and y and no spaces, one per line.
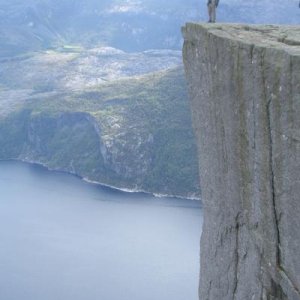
{"x":87,"y":180}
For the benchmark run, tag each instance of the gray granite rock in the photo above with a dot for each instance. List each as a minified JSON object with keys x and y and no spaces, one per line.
{"x":244,"y":85}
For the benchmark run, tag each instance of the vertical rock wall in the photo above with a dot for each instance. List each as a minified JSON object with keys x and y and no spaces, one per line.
{"x":244,"y":85}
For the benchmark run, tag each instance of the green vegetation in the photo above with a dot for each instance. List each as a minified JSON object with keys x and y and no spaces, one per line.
{"x":13,"y":131}
{"x":133,"y":133}
{"x":71,"y":48}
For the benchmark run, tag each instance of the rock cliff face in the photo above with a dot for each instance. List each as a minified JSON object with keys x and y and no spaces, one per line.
{"x":244,"y":85}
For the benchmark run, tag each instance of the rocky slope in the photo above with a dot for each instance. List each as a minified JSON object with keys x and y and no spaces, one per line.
{"x":132,"y":133}
{"x":244,"y":83}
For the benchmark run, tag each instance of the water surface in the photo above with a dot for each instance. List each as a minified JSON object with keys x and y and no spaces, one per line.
{"x":64,"y":239}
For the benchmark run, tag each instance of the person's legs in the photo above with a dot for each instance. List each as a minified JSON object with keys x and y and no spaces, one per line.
{"x":213,"y":11}
{"x":209,"y":7}
{"x":213,"y":14}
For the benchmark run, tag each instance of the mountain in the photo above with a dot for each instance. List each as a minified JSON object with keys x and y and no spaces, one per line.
{"x":127,"y":25}
{"x":71,"y":101}
{"x":71,"y":68}
{"x":132,"y":133}
{"x":130,"y":25}
{"x":118,"y":118}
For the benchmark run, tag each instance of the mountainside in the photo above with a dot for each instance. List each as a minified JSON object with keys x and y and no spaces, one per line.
{"x":73,"y":102}
{"x":246,"y":106}
{"x":130,"y":25}
{"x":133,"y":133}
{"x":75,"y":68}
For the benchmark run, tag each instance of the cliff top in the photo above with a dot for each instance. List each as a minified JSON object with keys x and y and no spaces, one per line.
{"x":282,"y":37}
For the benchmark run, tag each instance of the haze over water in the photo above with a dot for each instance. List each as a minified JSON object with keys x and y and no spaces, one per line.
{"x":62,"y":239}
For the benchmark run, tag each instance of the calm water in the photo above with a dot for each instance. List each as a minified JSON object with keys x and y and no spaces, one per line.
{"x":63,"y":239}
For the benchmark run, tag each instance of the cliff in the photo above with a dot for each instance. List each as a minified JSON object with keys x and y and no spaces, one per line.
{"x":244,"y":85}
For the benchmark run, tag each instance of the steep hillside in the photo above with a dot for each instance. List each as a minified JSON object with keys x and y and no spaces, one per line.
{"x":132,"y":133}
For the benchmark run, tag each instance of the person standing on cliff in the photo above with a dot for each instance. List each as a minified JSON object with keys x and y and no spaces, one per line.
{"x":212,"y":7}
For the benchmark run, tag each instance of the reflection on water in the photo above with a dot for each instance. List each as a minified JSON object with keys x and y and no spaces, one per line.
{"x":62,"y":238}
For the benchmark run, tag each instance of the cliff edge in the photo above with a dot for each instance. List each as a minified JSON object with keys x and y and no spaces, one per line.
{"x":244,"y":85}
